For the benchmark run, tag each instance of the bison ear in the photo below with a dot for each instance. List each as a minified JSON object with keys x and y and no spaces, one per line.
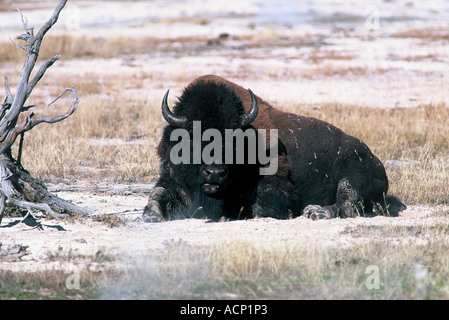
{"x":171,"y":118}
{"x":251,"y":115}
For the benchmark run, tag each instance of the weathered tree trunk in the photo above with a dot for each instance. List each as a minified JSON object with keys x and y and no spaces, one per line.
{"x":16,"y":184}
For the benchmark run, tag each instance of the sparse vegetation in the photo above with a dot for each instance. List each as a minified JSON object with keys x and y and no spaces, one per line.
{"x":87,"y":147}
{"x":109,"y":220}
{"x":426,"y":34}
{"x":245,"y":271}
{"x":113,"y":136}
{"x":417,"y":137}
{"x":241,"y":270}
{"x":49,"y":285}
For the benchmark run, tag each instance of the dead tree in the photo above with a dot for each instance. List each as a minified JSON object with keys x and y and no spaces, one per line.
{"x":17,"y":186}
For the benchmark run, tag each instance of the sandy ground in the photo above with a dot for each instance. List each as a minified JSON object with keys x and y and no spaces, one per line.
{"x":389,"y":77}
{"x":83,"y":238}
{"x":373,"y":65}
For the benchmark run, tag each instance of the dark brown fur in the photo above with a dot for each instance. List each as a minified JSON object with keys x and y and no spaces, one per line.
{"x":318,"y":165}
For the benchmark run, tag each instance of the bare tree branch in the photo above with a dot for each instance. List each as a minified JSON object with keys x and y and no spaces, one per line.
{"x":52,"y":21}
{"x":9,"y":98}
{"x":61,"y":117}
{"x":36,"y":206}
{"x":7,"y":102}
{"x":2,"y":205}
{"x":28,"y":107}
{"x":12,"y":134}
{"x":29,"y":31}
{"x":17,"y":186}
{"x":29,"y":124}
{"x":33,"y":44}
{"x":18,"y":46}
{"x":19,"y":152}
{"x":40,"y":73}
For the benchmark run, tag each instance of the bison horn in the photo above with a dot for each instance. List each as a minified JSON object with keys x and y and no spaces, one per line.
{"x":251,"y":115}
{"x":175,"y":121}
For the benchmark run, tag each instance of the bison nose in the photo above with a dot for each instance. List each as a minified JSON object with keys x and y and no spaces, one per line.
{"x":215,"y":175}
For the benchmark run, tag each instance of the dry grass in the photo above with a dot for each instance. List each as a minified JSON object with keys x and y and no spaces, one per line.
{"x":88,"y":48}
{"x":416,"y":136}
{"x":51,"y":284}
{"x":242,"y":270}
{"x":7,"y":5}
{"x":117,"y":138}
{"x":247,"y":270}
{"x":114,"y":134}
{"x":318,"y":56}
{"x":331,"y":70}
{"x":425,"y":34}
{"x":104,"y":139}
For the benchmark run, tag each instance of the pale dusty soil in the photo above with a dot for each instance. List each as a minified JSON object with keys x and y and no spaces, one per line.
{"x":378,"y":71}
{"x":64,"y":244}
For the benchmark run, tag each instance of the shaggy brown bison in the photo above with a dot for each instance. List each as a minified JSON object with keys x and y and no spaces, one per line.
{"x":319,"y":170}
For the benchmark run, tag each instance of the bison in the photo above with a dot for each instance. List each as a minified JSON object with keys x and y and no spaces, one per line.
{"x":320,"y":171}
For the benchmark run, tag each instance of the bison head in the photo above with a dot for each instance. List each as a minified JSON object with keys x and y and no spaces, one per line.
{"x":202,"y":107}
{"x":192,"y":107}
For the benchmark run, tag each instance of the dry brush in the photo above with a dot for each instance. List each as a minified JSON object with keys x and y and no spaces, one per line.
{"x":16,"y":184}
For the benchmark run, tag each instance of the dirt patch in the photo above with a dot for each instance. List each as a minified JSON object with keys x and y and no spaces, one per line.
{"x":123,"y":55}
{"x":63,"y":244}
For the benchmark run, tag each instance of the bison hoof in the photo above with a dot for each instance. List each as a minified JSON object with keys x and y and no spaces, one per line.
{"x":316,"y":212}
{"x":152,"y":217}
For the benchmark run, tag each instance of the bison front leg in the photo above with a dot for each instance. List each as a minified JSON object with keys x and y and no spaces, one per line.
{"x":152,"y":211}
{"x":349,"y":202}
{"x":351,"y":196}
{"x":275,"y":199}
{"x":164,"y":203}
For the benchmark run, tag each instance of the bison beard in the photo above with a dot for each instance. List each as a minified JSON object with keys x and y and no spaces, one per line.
{"x":322,"y":172}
